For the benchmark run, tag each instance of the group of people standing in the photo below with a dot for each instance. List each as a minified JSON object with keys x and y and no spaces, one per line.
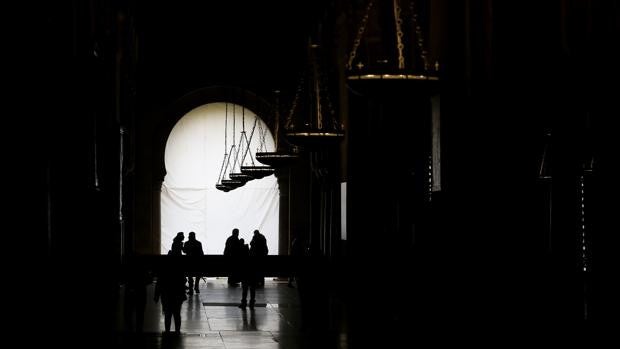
{"x":191,"y":247}
{"x":249,"y":279}
{"x":172,"y":285}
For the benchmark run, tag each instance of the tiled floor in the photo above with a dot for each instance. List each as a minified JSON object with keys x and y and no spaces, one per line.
{"x":212,"y":319}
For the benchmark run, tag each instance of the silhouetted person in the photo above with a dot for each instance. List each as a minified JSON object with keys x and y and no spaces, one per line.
{"x":192,"y":248}
{"x":170,"y":288}
{"x":248,"y":276}
{"x":232,"y":243}
{"x":259,"y":244}
{"x":177,"y":244}
{"x":232,"y":250}
{"x":258,"y":247}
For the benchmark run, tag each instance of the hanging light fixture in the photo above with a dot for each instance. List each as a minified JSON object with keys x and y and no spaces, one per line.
{"x":282,"y":156}
{"x":219,"y":185}
{"x":247,"y":166}
{"x":372,"y":55}
{"x":225,"y":183}
{"x":241,"y":154}
{"x":312,"y":109}
{"x":257,"y":172}
{"x":248,"y":169}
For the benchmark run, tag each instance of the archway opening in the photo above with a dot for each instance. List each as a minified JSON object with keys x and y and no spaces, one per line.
{"x":193,"y":159}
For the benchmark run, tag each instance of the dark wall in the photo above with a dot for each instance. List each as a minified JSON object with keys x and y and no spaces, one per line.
{"x":483,"y":246}
{"x":509,"y":72}
{"x":73,"y":89}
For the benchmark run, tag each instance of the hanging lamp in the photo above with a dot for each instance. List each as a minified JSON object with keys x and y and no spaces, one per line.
{"x":225,"y":182}
{"x":283,"y":154}
{"x":241,"y":152}
{"x":312,"y":117}
{"x":248,"y":168}
{"x":221,"y":182}
{"x":257,"y":172}
{"x":389,"y":45}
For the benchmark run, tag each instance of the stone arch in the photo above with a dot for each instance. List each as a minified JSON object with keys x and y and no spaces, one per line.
{"x":195,"y":99}
{"x":180,"y":108}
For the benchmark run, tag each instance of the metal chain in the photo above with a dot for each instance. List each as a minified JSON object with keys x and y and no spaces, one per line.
{"x":399,"y":34}
{"x":249,"y":142}
{"x":234,"y":122}
{"x":289,"y":119}
{"x":418,"y":34}
{"x":277,"y":120}
{"x":330,"y":107}
{"x":221,"y":175}
{"x":358,"y":38}
{"x":261,"y":138}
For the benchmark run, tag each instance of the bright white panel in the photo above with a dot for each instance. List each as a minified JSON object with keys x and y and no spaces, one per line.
{"x":189,"y":200}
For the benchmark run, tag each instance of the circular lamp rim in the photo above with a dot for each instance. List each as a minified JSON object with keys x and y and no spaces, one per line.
{"x":423,"y":77}
{"x":240,"y":176}
{"x":315,"y":134}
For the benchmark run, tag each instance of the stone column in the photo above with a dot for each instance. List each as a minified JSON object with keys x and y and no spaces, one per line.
{"x":284,"y":226}
{"x":156,"y":218}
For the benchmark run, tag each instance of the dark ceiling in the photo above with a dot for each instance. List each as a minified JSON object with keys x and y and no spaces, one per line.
{"x":192,"y":44}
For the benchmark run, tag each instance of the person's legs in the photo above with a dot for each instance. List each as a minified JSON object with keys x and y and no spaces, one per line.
{"x":244,"y":294}
{"x":177,"y":319}
{"x":196,"y":289}
{"x":190,"y":284}
{"x":167,"y":320}
{"x":252,"y":295}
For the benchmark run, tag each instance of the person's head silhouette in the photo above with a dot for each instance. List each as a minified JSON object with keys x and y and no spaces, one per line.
{"x":192,"y":236}
{"x":235,"y":232}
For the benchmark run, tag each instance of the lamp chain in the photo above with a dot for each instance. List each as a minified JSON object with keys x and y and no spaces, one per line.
{"x":289,"y":119}
{"x":358,"y":37}
{"x":419,"y":36}
{"x":399,"y":34}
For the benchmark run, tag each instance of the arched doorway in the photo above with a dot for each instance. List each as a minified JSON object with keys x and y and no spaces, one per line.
{"x":189,"y":201}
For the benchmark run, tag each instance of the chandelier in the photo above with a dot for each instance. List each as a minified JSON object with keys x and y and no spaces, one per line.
{"x":390,"y":44}
{"x":312,"y":120}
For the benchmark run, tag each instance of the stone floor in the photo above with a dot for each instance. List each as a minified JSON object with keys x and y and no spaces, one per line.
{"x":211,"y":319}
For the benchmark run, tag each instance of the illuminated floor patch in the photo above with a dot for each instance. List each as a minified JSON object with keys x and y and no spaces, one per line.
{"x":219,"y":304}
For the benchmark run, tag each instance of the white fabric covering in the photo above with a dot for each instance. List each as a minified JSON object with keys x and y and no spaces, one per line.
{"x":189,"y":200}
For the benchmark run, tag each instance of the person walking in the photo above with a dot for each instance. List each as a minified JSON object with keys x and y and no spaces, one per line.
{"x":232,"y":249}
{"x":258,"y":248}
{"x":170,"y":288}
{"x":248,"y":276}
{"x":193,"y":248}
